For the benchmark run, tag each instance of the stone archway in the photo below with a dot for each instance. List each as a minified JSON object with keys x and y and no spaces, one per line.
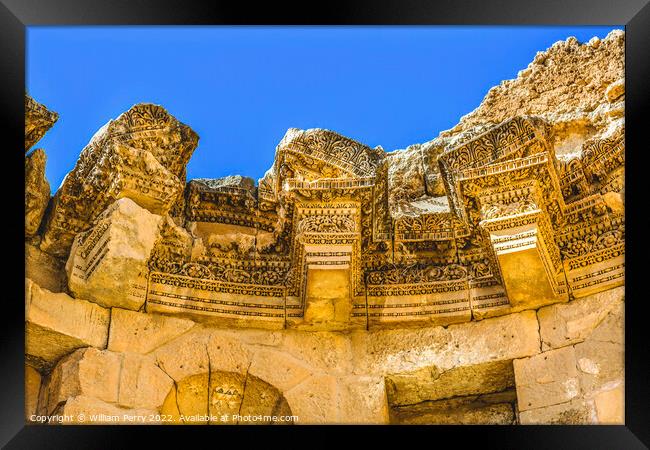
{"x":221,"y":397}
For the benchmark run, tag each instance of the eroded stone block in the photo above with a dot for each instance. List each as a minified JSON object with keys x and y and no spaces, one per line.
{"x":549,"y":378}
{"x":88,"y":372}
{"x":38,"y":119}
{"x":315,"y":400}
{"x":108,"y":264}
{"x":573,"y":322}
{"x":44,"y":269}
{"x":142,"y":333}
{"x":141,"y":155}
{"x":56,"y":324}
{"x":37,"y":191}
{"x":142,"y":384}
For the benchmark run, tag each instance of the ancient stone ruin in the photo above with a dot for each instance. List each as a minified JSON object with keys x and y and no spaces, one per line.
{"x":474,"y":278}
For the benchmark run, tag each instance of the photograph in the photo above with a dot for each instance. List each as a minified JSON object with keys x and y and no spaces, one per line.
{"x":300,"y":225}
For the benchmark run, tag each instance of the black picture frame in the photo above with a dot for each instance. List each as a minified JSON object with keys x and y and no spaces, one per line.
{"x":15,"y":15}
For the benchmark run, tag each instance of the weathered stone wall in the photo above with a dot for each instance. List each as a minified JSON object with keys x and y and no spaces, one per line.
{"x":475,"y":278}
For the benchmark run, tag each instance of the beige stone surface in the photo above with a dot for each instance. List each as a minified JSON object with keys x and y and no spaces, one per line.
{"x":88,"y":372}
{"x":32,"y":388}
{"x":568,"y":79}
{"x":37,"y":191}
{"x":137,"y":332}
{"x":142,"y":383}
{"x":315,"y":400}
{"x":44,"y":269}
{"x":395,"y":351}
{"x":279,"y":369}
{"x":185,"y":356}
{"x":573,"y":322}
{"x":227,"y":353}
{"x":325,"y":351}
{"x":547,"y":379}
{"x":601,"y":357}
{"x":363,"y":400}
{"x":610,"y":406}
{"x":221,"y":398}
{"x":56,"y":324}
{"x":328,"y":293}
{"x":107,"y":264}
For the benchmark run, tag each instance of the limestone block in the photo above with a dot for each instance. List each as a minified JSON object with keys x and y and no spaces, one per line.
{"x":570,"y":323}
{"x":44,"y":269}
{"x":97,"y":412}
{"x":185,"y":356}
{"x":404,"y":350}
{"x":32,"y":389}
{"x":142,"y":384}
{"x":549,"y":378}
{"x":141,"y":155}
{"x":328,"y":296}
{"x":38,"y":119}
{"x":278,"y":369}
{"x":362,"y":400}
{"x":574,"y":412}
{"x":107,"y":264}
{"x":321,"y":350}
{"x":56,"y":324}
{"x":430,"y":384}
{"x":37,"y":191}
{"x":88,"y":372}
{"x":610,"y":406}
{"x":315,"y":400}
{"x":601,"y":358}
{"x":142,"y":333}
{"x":227,"y":353}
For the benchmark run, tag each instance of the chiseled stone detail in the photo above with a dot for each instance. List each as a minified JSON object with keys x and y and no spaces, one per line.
{"x":56,"y":324}
{"x":38,"y":119}
{"x":140,"y":155}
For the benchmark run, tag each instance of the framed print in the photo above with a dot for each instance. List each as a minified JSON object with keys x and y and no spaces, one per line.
{"x":412,"y":217}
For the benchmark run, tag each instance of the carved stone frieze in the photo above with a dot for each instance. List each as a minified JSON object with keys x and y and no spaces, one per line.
{"x":140,"y":155}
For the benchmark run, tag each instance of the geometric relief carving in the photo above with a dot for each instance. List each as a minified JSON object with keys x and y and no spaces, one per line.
{"x":317,"y":241}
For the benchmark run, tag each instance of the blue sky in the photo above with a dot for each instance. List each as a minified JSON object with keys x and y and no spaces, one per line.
{"x":240,"y":88}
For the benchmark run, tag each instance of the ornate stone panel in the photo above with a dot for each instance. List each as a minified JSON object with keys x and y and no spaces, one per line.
{"x":140,"y":155}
